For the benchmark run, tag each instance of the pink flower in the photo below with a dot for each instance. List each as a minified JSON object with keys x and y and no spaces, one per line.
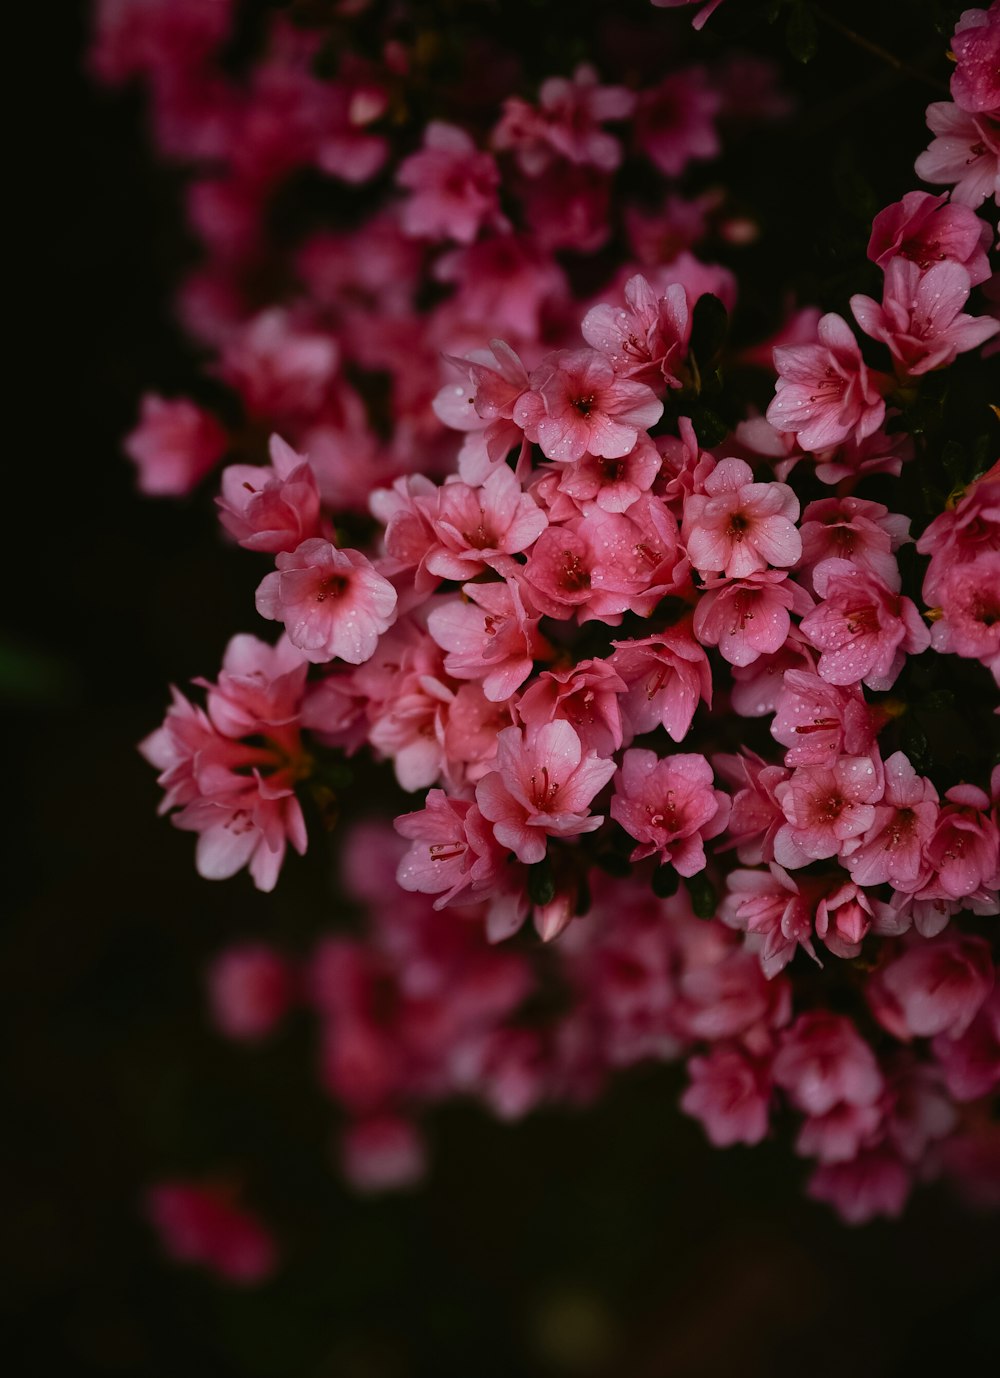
{"x":970,"y":1063}
{"x":543,"y":785}
{"x":819,"y":722}
{"x":333,"y":603}
{"x":756,"y":815}
{"x":730,"y":1095}
{"x":769,"y":907}
{"x":453,"y":855}
{"x":203,"y":1224}
{"x":271,"y":509}
{"x":921,"y":318}
{"x":975,"y":82}
{"x":670,"y":807}
{"x":839,"y":1135}
{"x":937,"y":987}
{"x":279,"y":368}
{"x":962,"y":533}
{"x":844,"y":919}
{"x":383,"y":1152}
{"x":664,"y":676}
{"x":863,"y":629}
{"x":864,"y":533}
{"x":826,"y":808}
{"x":586,"y":695}
{"x":969,"y":600}
{"x":892,"y":848}
{"x":930,"y":229}
{"x":822,"y":1061}
{"x":247,"y":821}
{"x":612,"y":484}
{"x":748,"y":618}
{"x":964,"y":848}
{"x":489,"y":636}
{"x":579,"y":404}
{"x":825,"y":393}
{"x":250,"y":987}
{"x":174,"y":445}
{"x":567,"y":122}
{"x":453,"y":186}
{"x":703,"y":15}
{"x":965,"y":154}
{"x":647,"y":339}
{"x":480,"y":528}
{"x":675,"y":121}
{"x":874,"y":1183}
{"x":740,"y":527}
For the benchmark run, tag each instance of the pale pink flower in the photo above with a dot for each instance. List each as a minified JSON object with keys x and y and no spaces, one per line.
{"x":675,"y":121}
{"x":454,"y":854}
{"x":453,"y":186}
{"x":202,"y":1223}
{"x":872,"y":1184}
{"x":703,"y":15}
{"x":175,"y":444}
{"x":864,"y":630}
{"x":748,"y":618}
{"x":579,"y":404}
{"x":929,"y":229}
{"x":333,"y":602}
{"x":489,"y":636}
{"x":408,"y":705}
{"x":739,"y":527}
{"x":775,"y":915}
{"x":543,"y":785}
{"x":920,"y":318}
{"x":586,"y":695}
{"x":612,"y":484}
{"x":383,"y":1152}
{"x":892,"y":848}
{"x":936,"y":987}
{"x":271,"y":508}
{"x":247,"y":822}
{"x":854,"y":529}
{"x":483,"y":407}
{"x":724,"y":994}
{"x":819,"y":722}
{"x":822,"y":1061}
{"x":825,"y":393}
{"x":480,"y":528}
{"x":757,"y":687}
{"x":259,"y":692}
{"x":647,"y":338}
{"x":664,"y":675}
{"x":965,"y":154}
{"x":670,"y":806}
{"x":756,"y":814}
{"x":964,"y":848}
{"x":250,"y":986}
{"x":470,"y":735}
{"x":975,"y":82}
{"x":730,"y":1094}
{"x":826,"y":808}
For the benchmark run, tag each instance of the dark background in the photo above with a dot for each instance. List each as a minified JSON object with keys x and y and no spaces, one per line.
{"x":608,"y":1243}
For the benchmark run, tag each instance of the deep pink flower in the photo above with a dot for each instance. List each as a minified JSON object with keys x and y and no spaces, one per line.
{"x":825,"y":393}
{"x":773,"y":912}
{"x":250,"y":987}
{"x":579,"y":404}
{"x":280,"y":368}
{"x":271,"y":508}
{"x":965,"y":154}
{"x":383,"y":1152}
{"x":647,"y":338}
{"x":960,"y":534}
{"x":566,"y":122}
{"x":453,"y":186}
{"x":819,"y":722}
{"x":748,"y":618}
{"x":489,"y":636}
{"x":612,"y":484}
{"x":844,"y":919}
{"x":921,"y":318}
{"x":543,"y":784}
{"x":936,"y":987}
{"x":664,"y":675}
{"x":738,"y":527}
{"x":174,"y":445}
{"x":969,"y":602}
{"x":333,"y":602}
{"x":730,"y":1095}
{"x":675,"y":121}
{"x":964,"y":848}
{"x":823,"y":1061}
{"x":863,"y":629}
{"x":200,"y":1223}
{"x":929,"y":229}
{"x":854,"y":529}
{"x":756,"y":814}
{"x":872,"y":1184}
{"x":453,"y":855}
{"x":975,"y":82}
{"x":839,"y":1135}
{"x":480,"y":528}
{"x":892,"y":848}
{"x":586,"y":695}
{"x":670,"y":806}
{"x":827,"y":808}
{"x":970,"y":1063}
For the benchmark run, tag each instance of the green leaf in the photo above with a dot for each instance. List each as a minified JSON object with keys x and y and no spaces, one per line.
{"x":704,"y":900}
{"x":665,"y":882}
{"x":541,"y":886}
{"x":801,"y":34}
{"x":709,"y":427}
{"x":709,"y":327}
{"x":914,"y":742}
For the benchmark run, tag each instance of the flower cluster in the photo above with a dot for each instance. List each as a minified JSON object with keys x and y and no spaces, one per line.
{"x":515,"y":554}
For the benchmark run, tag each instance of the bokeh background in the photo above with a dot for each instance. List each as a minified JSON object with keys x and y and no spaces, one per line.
{"x":611,"y":1243}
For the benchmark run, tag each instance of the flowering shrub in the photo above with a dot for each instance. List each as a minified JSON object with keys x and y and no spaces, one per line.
{"x":674,"y":638}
